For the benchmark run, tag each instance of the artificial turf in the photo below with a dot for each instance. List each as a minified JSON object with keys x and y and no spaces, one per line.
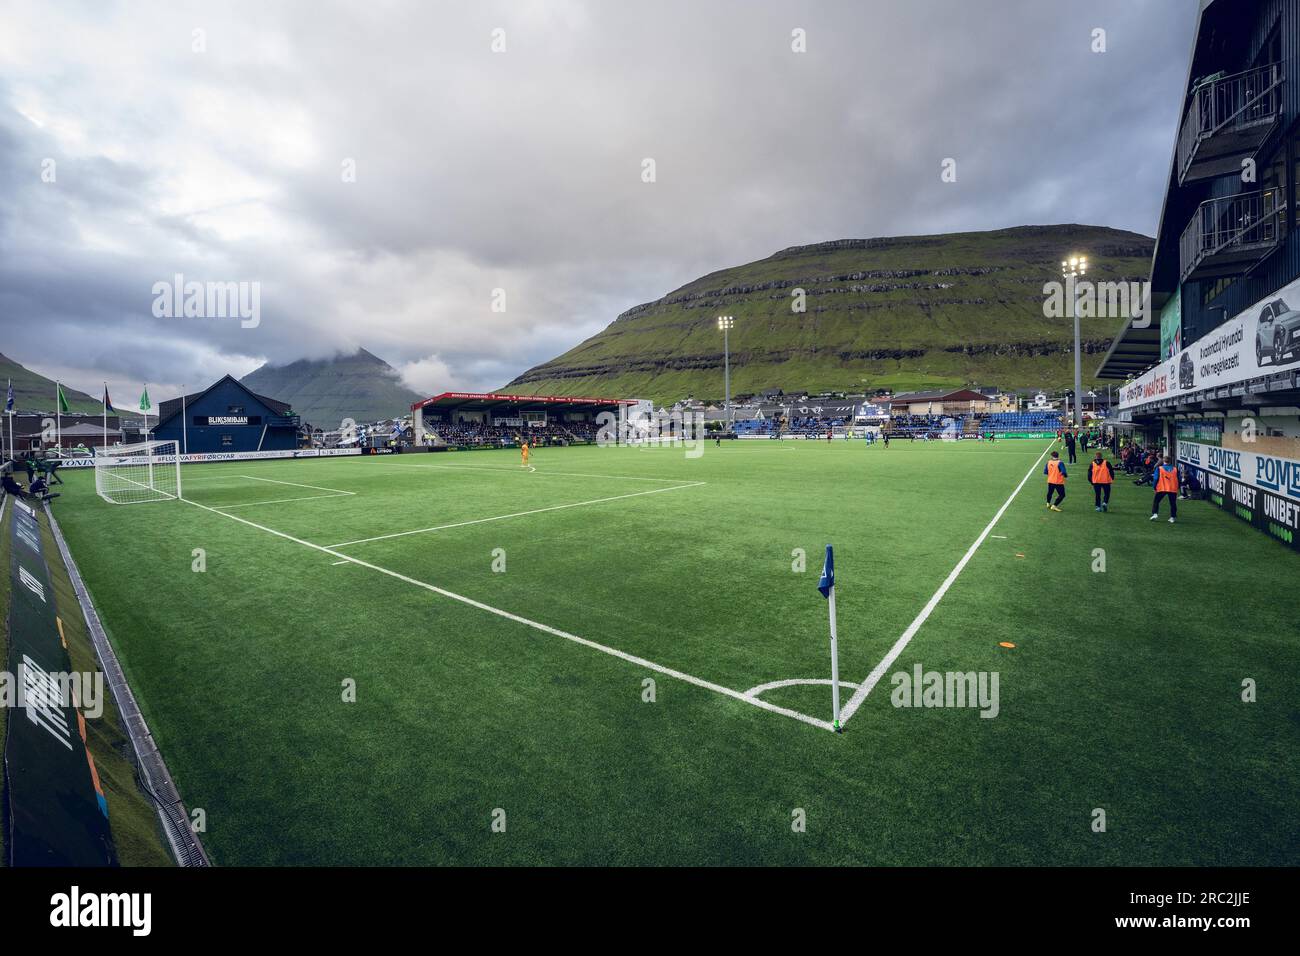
{"x":1123,"y":690}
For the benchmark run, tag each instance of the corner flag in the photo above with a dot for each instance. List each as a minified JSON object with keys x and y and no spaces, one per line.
{"x":827,"y":580}
{"x":826,"y":584}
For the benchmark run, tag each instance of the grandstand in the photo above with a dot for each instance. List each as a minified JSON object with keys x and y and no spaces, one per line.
{"x":1025,"y":424}
{"x":470,"y":420}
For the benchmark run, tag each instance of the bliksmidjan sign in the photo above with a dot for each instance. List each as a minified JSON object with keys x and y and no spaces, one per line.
{"x":201,"y":420}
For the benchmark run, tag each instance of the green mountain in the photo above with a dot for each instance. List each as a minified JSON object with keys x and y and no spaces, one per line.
{"x":903,"y":313}
{"x":34,"y":392}
{"x":323,"y":392}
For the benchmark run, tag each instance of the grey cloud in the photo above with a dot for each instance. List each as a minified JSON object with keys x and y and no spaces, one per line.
{"x":522,"y":170}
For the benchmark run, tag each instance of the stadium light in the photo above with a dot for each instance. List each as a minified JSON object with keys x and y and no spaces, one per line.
{"x":1071,"y":269}
{"x":725,"y":325}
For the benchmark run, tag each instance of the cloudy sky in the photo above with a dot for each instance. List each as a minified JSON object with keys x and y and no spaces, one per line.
{"x":379,"y":169}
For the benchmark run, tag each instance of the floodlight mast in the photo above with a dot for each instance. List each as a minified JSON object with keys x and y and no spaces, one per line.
{"x":1071,"y":270}
{"x":725,"y":324}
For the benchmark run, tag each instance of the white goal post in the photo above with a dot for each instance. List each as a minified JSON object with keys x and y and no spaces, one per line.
{"x":131,"y":474}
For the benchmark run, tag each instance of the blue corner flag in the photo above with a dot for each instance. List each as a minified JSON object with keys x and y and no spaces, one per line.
{"x":827,"y":580}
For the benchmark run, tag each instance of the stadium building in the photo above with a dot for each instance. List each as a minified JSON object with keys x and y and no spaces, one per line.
{"x":226,"y":417}
{"x":956,"y":401}
{"x":1214,"y":369}
{"x":471,"y":419}
{"x":30,"y":432}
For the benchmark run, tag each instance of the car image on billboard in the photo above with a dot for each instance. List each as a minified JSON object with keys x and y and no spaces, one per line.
{"x":1277,"y":333}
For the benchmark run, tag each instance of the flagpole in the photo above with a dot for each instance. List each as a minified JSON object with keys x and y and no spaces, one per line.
{"x":58,"y":415}
{"x":105,"y":441}
{"x":835,"y":664}
{"x":185,"y":432}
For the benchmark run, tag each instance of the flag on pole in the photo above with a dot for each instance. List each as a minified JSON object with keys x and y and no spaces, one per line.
{"x":827,"y":580}
{"x":108,"y":402}
{"x":826,"y":584}
{"x":145,"y":404}
{"x":9,"y":399}
{"x":63,"y":401}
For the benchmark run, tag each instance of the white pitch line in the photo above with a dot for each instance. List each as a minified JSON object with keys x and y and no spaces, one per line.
{"x":280,"y":501}
{"x":544,"y":628}
{"x":276,"y":481}
{"x":517,"y":514}
{"x":795,"y":682}
{"x":874,"y":677}
{"x":514,"y":469}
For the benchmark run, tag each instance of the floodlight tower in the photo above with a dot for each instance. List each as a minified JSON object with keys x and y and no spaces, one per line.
{"x":725,"y":324}
{"x":1071,"y":270}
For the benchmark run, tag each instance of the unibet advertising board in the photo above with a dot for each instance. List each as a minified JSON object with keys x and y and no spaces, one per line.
{"x":1261,"y":489}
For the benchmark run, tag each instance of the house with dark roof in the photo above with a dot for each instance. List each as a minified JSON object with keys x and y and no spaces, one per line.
{"x":951,"y":401}
{"x":227,"y":417}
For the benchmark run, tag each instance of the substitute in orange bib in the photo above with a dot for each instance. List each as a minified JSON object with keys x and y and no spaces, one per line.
{"x":1101,"y":476}
{"x":1165,"y":481}
{"x":523,"y":452}
{"x":1055,"y":472}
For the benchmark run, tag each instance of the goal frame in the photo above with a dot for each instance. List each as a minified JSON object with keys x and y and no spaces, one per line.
{"x":157,"y":458}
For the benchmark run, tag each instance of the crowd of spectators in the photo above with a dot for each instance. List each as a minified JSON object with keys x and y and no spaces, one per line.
{"x":479,"y":434}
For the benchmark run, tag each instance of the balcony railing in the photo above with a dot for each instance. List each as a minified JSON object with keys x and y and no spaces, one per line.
{"x":1231,"y":236}
{"x":1228,"y":119}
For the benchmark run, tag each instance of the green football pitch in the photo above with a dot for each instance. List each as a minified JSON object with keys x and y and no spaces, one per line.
{"x":620,"y":655}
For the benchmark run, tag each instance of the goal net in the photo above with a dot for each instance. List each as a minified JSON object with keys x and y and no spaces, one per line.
{"x":130,"y":474}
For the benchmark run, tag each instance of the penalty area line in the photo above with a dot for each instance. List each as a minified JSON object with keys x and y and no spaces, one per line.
{"x":280,"y":501}
{"x":873,"y":678}
{"x":295,"y":484}
{"x":517,"y":514}
{"x":538,"y":626}
{"x":516,"y":470}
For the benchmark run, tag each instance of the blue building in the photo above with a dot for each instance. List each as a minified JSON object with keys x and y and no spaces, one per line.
{"x":1213,"y":372}
{"x":227,"y":417}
